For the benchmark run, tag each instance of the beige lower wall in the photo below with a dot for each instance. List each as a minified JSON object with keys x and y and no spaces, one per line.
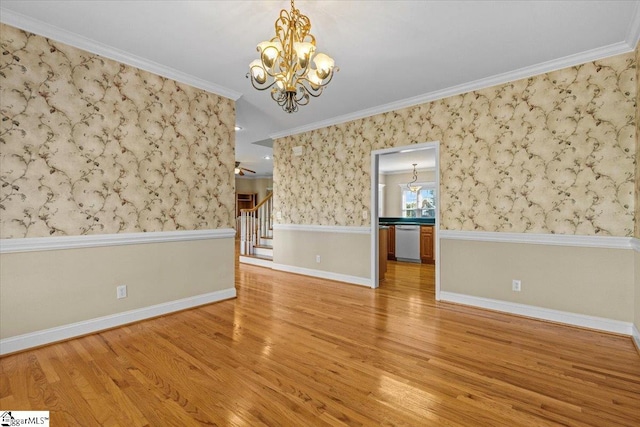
{"x":591,"y":281}
{"x":41,"y":290}
{"x":340,"y":253}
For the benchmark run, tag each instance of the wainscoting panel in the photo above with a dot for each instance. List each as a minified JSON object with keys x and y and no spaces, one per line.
{"x":49,"y":289}
{"x":590,"y":281}
{"x":343,"y":251}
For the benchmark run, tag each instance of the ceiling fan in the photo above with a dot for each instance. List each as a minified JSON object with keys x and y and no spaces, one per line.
{"x":240,"y":171}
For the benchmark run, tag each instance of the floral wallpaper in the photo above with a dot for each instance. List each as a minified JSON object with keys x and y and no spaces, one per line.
{"x":554,"y":153}
{"x":637,"y":188}
{"x":93,"y":146}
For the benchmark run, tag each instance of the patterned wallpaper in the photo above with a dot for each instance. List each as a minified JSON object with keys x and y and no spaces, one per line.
{"x":554,"y":153}
{"x":637,"y":188}
{"x":92,"y":146}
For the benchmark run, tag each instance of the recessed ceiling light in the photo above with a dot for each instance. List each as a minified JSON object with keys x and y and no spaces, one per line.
{"x":267,"y":157}
{"x":238,"y":128}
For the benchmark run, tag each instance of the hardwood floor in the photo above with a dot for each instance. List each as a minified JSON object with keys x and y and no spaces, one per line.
{"x":298,"y":351}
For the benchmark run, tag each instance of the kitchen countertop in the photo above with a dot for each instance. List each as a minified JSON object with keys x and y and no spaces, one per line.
{"x":406,"y":221}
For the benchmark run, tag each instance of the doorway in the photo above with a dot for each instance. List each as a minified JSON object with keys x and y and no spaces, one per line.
{"x":427,"y":153}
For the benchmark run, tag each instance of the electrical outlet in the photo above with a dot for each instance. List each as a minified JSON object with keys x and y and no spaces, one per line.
{"x":121,"y":291}
{"x":516,"y":285}
{"x":365,"y":214}
{"x":279,"y":215}
{"x":318,"y":259}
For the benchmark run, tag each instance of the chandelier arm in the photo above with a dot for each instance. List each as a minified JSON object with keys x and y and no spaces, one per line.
{"x":302,"y":97}
{"x":314,"y":92}
{"x":253,"y":83}
{"x":288,"y":100}
{"x":284,"y":21}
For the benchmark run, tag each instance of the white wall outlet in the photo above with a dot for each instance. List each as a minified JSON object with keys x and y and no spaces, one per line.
{"x":365,"y":214}
{"x":516,"y":285}
{"x":279,"y":215}
{"x":121,"y":291}
{"x":318,"y":259}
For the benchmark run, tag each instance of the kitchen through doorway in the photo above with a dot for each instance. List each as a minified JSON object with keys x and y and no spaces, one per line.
{"x":405,"y":203}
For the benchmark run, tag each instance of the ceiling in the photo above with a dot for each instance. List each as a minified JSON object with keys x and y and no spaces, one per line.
{"x":402,"y":161}
{"x":391,"y":54}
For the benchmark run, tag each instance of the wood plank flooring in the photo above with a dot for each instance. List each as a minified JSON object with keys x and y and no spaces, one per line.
{"x":298,"y":351}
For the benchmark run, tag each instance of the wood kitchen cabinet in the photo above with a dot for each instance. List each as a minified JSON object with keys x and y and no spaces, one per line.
{"x":427,"y":240}
{"x":391,"y":245}
{"x":383,"y":241}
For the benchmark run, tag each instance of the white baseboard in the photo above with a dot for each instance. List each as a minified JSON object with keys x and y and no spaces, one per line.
{"x":574,"y":319}
{"x":60,"y":333}
{"x":635,"y":334}
{"x":323,"y":228}
{"x":354,"y":280}
{"x":256,"y":261}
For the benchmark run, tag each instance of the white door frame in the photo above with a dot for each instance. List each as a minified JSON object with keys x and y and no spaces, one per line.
{"x":375,"y":154}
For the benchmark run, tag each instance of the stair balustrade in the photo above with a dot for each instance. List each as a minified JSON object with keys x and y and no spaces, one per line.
{"x":256,"y":223}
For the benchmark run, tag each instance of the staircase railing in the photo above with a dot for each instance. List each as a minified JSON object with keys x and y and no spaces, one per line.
{"x":254,"y":224}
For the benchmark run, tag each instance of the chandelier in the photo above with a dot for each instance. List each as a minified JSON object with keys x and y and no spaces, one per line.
{"x":412,"y":185}
{"x":284,"y":64}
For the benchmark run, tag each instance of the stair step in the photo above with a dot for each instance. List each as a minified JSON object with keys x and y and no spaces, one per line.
{"x":259,"y":260}
{"x":265,"y":257}
{"x":263,"y":250}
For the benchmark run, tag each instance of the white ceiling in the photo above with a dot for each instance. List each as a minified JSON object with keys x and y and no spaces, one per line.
{"x":402,"y":161}
{"x":391,"y":54}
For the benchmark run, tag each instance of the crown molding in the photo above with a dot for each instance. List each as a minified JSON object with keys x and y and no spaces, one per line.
{"x":409,"y":171}
{"x":633,"y":32}
{"x":252,"y":177}
{"x":58,"y":34}
{"x":537,"y":69}
{"x":33,"y":244}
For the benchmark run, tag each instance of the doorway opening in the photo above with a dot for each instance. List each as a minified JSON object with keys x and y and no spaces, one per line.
{"x":426,"y":156}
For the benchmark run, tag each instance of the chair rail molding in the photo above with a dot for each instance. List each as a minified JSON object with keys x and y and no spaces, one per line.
{"x":32,"y":244}
{"x":543,"y":239}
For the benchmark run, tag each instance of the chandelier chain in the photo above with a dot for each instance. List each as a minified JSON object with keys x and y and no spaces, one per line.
{"x":411,"y":185}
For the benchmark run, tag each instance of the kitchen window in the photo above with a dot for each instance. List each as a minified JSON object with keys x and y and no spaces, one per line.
{"x":420,"y":204}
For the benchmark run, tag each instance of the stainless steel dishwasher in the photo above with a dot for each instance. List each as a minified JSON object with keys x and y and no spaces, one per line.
{"x":408,"y":243}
